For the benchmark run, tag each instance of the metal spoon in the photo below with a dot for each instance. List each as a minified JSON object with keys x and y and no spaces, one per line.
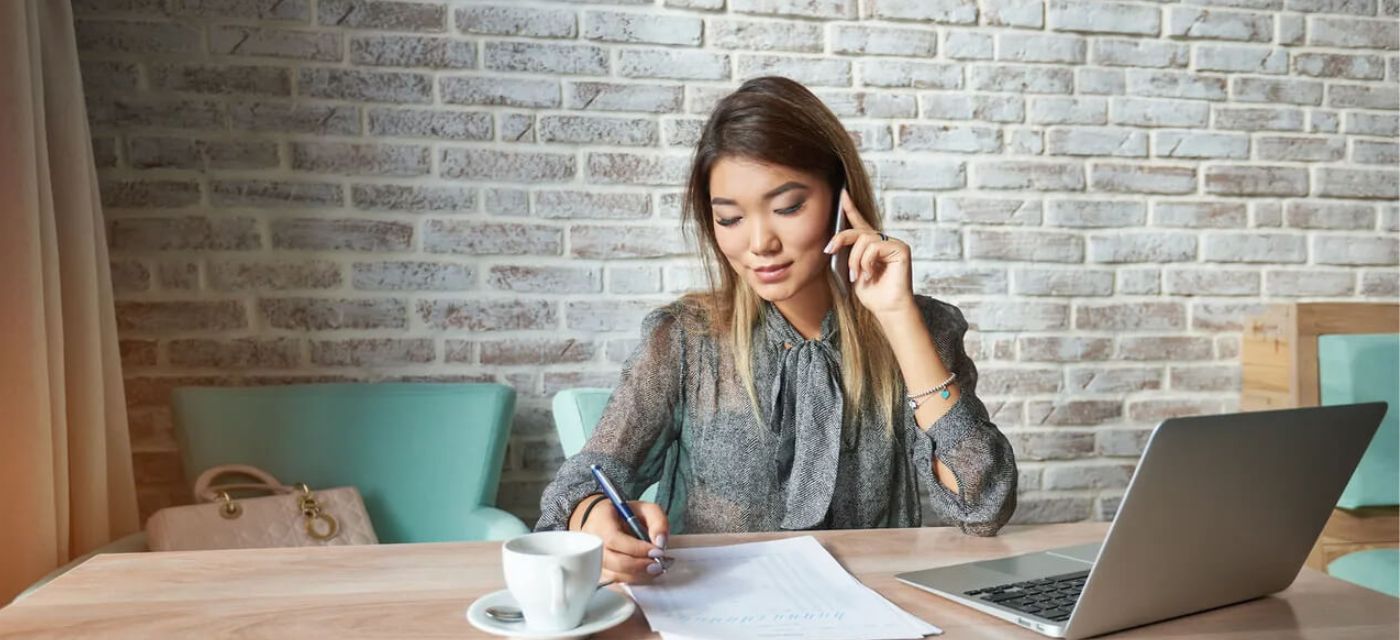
{"x":512,"y":614}
{"x":505,"y":614}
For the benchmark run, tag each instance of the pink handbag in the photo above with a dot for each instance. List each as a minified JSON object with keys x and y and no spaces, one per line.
{"x":290,"y":517}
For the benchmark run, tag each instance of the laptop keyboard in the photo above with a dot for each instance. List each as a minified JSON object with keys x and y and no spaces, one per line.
{"x":1051,"y":598}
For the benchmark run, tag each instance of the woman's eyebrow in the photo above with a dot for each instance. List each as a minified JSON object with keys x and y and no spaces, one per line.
{"x":784,"y":188}
{"x":781,"y":189}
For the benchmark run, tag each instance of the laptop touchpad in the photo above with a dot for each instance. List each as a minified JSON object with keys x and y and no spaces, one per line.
{"x":1086,"y":552}
{"x":1034,"y":565}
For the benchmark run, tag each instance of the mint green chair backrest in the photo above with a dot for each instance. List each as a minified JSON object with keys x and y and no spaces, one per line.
{"x":576,"y":413}
{"x":1366,"y":368}
{"x":426,"y":458}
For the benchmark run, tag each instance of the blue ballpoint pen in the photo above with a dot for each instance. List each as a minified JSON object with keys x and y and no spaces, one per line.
{"x":619,"y":503}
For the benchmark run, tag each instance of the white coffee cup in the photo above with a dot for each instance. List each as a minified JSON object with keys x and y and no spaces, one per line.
{"x":552,"y":575}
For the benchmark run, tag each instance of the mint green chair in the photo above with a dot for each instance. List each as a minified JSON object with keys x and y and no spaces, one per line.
{"x":576,"y":413}
{"x":1375,"y":569}
{"x":1366,"y":368}
{"x":425,"y":457}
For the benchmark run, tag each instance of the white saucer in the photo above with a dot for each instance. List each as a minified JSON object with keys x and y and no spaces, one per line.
{"x":606,"y":610}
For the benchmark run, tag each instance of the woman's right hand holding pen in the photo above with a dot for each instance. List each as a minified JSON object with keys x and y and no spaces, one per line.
{"x":625,"y":558}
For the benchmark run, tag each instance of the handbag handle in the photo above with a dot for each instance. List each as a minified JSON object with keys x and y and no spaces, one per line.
{"x":206,"y":491}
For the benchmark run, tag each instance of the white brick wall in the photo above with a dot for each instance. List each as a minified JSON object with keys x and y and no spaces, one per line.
{"x":488,"y":190}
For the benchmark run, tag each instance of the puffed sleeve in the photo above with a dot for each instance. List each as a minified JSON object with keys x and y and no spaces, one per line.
{"x":637,"y":427}
{"x":964,"y":438}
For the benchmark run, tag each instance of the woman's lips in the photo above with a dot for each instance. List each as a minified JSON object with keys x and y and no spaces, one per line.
{"x":774,"y":273}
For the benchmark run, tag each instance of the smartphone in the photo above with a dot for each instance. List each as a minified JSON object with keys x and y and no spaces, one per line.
{"x":841,"y":260}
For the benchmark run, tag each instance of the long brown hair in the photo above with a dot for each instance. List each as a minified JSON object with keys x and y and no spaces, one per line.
{"x":778,"y":121}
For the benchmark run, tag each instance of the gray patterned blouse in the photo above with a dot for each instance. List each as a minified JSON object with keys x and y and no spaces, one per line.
{"x":680,"y":417}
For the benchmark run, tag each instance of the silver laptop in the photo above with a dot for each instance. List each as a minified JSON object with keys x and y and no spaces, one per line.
{"x":1221,"y":509}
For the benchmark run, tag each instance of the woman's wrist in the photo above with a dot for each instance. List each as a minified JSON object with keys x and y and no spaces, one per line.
{"x":898,"y":322}
{"x":581,"y":510}
{"x":918,"y":359}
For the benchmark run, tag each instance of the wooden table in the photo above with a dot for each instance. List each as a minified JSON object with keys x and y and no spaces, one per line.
{"x":422,"y":590}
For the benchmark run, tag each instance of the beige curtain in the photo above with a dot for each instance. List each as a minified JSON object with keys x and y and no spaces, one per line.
{"x":66,"y":483}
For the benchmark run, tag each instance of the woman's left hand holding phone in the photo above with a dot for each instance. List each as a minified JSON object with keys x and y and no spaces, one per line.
{"x":880,"y":267}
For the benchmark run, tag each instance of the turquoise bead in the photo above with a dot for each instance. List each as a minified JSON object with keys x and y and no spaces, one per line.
{"x":945,"y":394}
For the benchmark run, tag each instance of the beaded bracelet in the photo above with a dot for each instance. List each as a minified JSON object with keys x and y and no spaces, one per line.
{"x":941,"y":390}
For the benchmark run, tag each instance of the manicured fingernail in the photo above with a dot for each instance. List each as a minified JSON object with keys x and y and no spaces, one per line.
{"x":828,"y":247}
{"x":661,"y":541}
{"x":853,"y":277}
{"x":656,"y":553}
{"x":655,"y":569}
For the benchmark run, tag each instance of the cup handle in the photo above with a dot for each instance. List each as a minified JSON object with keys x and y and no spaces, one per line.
{"x":556,"y":583}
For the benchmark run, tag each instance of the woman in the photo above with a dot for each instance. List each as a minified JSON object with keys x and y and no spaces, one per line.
{"x":780,"y":399}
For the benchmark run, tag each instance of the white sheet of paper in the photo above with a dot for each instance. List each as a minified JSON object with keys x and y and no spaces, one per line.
{"x":782,"y":589}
